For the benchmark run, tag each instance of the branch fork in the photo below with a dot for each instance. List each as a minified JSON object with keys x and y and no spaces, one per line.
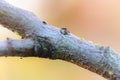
{"x":40,"y":39}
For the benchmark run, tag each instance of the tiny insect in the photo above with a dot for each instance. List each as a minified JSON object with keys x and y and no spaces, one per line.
{"x":44,"y":22}
{"x":64,"y":31}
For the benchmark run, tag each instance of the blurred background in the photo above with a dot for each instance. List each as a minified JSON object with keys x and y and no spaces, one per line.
{"x":94,"y":20}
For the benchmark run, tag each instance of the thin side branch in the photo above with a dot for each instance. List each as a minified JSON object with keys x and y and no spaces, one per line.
{"x":12,"y":47}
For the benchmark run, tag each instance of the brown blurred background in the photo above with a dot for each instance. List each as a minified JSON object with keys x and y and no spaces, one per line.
{"x":94,"y":20}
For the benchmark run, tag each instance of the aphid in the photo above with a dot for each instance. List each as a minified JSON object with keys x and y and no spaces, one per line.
{"x":64,"y":31}
{"x":44,"y":22}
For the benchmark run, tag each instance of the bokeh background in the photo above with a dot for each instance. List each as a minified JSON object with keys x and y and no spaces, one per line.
{"x":94,"y":20}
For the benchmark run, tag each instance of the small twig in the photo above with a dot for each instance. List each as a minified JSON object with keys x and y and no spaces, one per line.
{"x":12,"y":47}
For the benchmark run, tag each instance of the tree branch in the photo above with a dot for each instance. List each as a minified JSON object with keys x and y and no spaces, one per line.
{"x":44,"y":40}
{"x":19,"y":20}
{"x":12,"y":47}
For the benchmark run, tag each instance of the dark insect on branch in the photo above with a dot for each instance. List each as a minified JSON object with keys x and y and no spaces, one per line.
{"x":64,"y":31}
{"x":44,"y":22}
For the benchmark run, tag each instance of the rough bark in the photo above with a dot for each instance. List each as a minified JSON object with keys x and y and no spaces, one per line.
{"x":43,"y":40}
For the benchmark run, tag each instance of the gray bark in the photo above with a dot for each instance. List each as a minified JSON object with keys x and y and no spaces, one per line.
{"x":43,"y":40}
{"x":12,"y":47}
